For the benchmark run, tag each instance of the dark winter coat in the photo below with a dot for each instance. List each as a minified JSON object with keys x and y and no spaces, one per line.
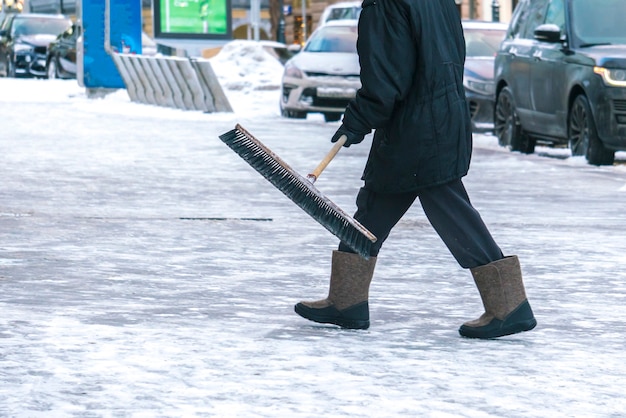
{"x":412,"y":54}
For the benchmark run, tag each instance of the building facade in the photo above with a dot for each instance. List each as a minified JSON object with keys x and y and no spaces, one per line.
{"x":295,"y":13}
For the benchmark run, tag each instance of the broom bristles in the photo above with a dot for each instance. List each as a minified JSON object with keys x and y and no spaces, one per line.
{"x":300,"y":190}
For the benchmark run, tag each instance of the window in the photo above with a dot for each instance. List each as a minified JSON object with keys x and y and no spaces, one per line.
{"x":333,"y":39}
{"x":518,"y":19}
{"x":536,"y":16}
{"x":599,"y":21}
{"x":298,"y":33}
{"x":36,"y":26}
{"x":483,"y":42}
{"x":556,"y":13}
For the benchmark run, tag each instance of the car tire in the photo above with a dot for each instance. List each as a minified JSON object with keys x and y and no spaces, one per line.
{"x":507,"y":126}
{"x":583,"y":135}
{"x":51,"y":69}
{"x":292,"y":114}
{"x":332,"y":117}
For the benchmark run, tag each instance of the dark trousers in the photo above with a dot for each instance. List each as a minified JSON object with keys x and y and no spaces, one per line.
{"x":449,"y":211}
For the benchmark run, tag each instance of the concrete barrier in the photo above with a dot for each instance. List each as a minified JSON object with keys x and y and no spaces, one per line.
{"x":123,"y":65}
{"x":172,"y":84}
{"x":182,"y":83}
{"x":211,"y":85}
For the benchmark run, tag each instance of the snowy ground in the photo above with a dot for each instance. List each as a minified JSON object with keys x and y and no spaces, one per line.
{"x":146,"y":271}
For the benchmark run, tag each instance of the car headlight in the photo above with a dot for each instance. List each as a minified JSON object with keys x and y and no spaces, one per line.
{"x":292,"y":71}
{"x":615,"y":78}
{"x":479,"y":86}
{"x":23,"y":48}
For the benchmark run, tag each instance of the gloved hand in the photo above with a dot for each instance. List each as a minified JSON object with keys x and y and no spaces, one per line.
{"x":353,"y":137}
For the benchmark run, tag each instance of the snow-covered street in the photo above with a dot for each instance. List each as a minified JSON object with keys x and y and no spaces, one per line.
{"x":147,"y":271}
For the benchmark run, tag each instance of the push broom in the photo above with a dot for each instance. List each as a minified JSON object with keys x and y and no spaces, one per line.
{"x":300,"y":189}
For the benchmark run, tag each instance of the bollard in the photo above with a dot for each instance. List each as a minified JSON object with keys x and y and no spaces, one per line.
{"x":495,"y":11}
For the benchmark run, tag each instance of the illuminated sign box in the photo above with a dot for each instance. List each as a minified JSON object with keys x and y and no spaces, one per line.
{"x":192,"y":19}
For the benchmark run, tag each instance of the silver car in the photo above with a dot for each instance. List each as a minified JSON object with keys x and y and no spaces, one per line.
{"x":324,"y":76}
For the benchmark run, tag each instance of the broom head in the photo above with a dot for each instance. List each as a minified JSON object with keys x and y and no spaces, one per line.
{"x":300,"y":190}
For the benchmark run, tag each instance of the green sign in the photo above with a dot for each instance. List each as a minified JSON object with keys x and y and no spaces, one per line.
{"x":194,"y":19}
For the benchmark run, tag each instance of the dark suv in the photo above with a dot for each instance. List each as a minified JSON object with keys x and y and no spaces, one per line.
{"x":24,"y":40}
{"x":560,"y":78}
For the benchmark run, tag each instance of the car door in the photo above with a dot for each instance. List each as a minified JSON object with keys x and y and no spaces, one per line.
{"x":549,"y":107}
{"x":517,"y":49}
{"x":66,"y":47}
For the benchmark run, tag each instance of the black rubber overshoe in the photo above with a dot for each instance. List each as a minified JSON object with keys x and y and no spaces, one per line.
{"x":521,"y":319}
{"x":354,"y":317}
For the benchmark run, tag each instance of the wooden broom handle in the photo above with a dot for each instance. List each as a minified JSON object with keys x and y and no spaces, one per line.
{"x":327,"y":159}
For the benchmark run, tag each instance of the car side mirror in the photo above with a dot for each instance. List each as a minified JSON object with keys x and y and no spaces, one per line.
{"x":548,"y":32}
{"x":3,"y":33}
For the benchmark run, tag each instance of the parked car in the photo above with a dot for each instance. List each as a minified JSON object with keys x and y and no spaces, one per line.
{"x":482,"y":40}
{"x":324,"y":76}
{"x":561,"y":78}
{"x":24,"y":40}
{"x":61,"y":58}
{"x":345,"y":10}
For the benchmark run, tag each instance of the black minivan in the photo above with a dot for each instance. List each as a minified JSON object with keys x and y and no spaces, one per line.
{"x":560,"y":77}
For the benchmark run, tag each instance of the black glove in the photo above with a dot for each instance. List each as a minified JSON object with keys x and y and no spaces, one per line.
{"x":353,"y":137}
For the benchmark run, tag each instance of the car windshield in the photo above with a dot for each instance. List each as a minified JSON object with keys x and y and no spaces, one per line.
{"x":333,"y":39}
{"x":483,"y":42}
{"x":599,"y":22}
{"x":39,"y":26}
{"x":341,"y":13}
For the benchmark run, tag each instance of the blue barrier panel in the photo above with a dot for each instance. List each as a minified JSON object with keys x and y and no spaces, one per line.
{"x":98,"y":68}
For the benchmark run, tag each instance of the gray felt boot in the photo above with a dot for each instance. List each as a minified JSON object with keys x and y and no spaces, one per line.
{"x":507,"y":310}
{"x":347,"y":301}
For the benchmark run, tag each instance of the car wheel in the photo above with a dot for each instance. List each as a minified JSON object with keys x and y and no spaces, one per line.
{"x":332,"y":117}
{"x":525,"y":145}
{"x":583,"y":135}
{"x":52,"y":69}
{"x":507,"y":126}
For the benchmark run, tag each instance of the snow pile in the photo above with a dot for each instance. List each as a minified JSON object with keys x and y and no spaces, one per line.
{"x":245,"y":65}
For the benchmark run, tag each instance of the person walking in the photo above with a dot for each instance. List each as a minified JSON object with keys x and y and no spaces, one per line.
{"x":412,"y":55}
